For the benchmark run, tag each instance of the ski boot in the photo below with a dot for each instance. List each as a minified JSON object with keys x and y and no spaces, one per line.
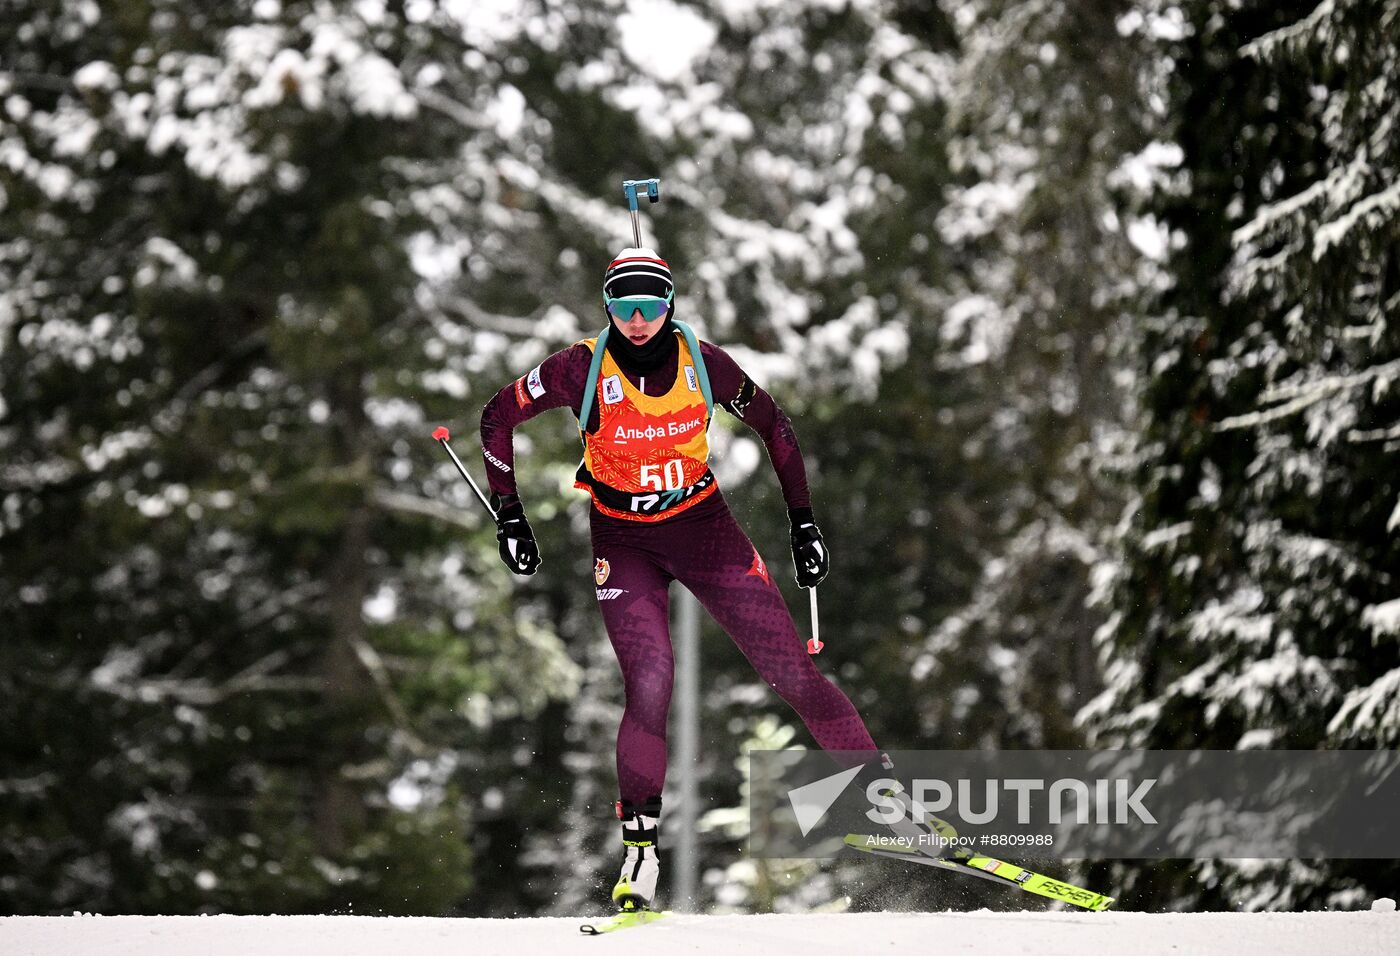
{"x":932,"y":836}
{"x":636,"y":884}
{"x":920,"y":830}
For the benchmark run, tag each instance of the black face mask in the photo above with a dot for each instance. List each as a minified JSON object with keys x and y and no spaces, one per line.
{"x":647,"y":357}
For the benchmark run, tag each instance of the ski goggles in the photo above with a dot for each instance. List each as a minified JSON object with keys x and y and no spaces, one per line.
{"x":652,"y":307}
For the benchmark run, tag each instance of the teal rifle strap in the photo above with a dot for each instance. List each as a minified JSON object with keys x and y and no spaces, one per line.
{"x":693,"y":344}
{"x":590,"y":384}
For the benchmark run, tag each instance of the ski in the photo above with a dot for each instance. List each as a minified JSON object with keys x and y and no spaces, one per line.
{"x":988,"y":868}
{"x":622,"y":921}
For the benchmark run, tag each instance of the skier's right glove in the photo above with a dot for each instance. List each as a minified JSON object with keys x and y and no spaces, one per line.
{"x":514,"y":539}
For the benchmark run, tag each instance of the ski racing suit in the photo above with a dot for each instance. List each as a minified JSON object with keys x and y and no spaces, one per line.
{"x":658,"y":516}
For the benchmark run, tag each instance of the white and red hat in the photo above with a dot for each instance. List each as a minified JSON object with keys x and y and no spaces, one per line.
{"x":637,"y":272}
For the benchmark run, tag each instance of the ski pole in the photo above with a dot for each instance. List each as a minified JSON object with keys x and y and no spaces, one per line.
{"x":629,"y":189}
{"x":442,"y":435}
{"x":815,"y":645}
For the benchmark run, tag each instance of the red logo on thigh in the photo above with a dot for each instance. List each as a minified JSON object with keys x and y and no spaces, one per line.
{"x":758,"y":569}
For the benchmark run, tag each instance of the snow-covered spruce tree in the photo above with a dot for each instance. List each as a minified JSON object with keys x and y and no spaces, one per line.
{"x":241,"y":637}
{"x":1327,"y":259}
{"x":1046,"y":115}
{"x":1252,"y":602}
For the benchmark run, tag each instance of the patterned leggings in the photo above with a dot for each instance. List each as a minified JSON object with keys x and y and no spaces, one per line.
{"x":705,"y":549}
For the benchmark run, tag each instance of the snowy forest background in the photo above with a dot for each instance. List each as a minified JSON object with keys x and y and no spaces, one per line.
{"x":1085,"y":311}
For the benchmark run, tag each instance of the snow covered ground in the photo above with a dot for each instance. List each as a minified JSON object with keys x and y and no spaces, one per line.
{"x":1138,"y":934}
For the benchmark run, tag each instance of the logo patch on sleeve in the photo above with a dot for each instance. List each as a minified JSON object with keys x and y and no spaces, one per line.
{"x":533,"y":382}
{"x":521,"y":398}
{"x":601,"y":570}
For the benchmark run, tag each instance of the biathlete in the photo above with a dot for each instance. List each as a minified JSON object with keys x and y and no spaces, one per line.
{"x":639,"y":391}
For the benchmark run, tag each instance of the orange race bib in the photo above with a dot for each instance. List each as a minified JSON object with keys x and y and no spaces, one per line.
{"x":649,"y":457}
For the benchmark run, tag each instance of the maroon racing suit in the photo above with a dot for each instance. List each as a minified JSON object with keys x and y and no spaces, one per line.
{"x":703,"y":547}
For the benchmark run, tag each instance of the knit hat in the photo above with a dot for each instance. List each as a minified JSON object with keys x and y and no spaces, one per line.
{"x":637,"y":272}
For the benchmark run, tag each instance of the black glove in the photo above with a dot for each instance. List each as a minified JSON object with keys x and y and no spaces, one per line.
{"x":810,"y":558}
{"x":515,"y":540}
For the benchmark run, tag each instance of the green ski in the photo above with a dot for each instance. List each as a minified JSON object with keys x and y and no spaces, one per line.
{"x":988,"y":868}
{"x":622,"y":921}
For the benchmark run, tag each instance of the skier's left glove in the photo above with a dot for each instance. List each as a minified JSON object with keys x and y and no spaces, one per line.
{"x":515,"y":540}
{"x":810,"y":558}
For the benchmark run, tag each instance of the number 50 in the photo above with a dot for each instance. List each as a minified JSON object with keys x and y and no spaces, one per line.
{"x":674,"y":476}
